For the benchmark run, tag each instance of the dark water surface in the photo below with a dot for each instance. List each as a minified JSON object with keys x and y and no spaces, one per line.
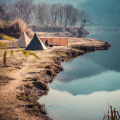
{"x":82,"y":91}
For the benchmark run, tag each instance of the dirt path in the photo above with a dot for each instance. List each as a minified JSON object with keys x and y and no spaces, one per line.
{"x":9,"y":105}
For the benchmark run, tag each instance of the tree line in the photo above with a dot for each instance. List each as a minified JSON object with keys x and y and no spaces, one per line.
{"x":44,"y":14}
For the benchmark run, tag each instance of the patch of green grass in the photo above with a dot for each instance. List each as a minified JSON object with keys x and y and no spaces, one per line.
{"x":60,"y":53}
{"x":27,"y":97}
{"x":29,"y":86}
{"x":36,"y":107}
{"x":40,"y":85}
{"x":29,"y":79}
{"x":23,"y":96}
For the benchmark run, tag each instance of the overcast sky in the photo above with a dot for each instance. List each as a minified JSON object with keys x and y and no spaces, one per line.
{"x":73,"y":2}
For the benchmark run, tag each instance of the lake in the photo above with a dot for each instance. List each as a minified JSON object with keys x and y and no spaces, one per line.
{"x":88,"y":83}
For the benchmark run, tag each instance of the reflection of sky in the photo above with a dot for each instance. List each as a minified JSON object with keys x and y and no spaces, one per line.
{"x":109,"y":58}
{"x":93,"y":63}
{"x":83,"y":90}
{"x":107,"y":81}
{"x":92,"y":72}
{"x":80,"y":67}
{"x":65,"y":106}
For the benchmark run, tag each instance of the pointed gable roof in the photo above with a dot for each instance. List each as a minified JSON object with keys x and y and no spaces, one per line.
{"x":36,"y":44}
{"x":23,"y":41}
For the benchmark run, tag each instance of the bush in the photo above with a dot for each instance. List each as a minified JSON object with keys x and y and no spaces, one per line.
{"x":4,"y":25}
{"x":15,"y":29}
{"x":18,"y":27}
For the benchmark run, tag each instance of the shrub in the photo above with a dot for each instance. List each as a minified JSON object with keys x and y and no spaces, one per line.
{"x":29,"y":86}
{"x":18,"y":27}
{"x":15,"y":28}
{"x":4,"y":24}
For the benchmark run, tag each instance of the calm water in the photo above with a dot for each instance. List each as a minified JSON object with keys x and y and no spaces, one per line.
{"x":82,"y":91}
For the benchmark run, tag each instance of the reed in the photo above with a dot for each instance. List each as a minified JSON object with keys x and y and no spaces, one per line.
{"x":112,"y":114}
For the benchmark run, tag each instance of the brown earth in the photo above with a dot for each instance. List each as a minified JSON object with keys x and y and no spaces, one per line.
{"x":24,"y":80}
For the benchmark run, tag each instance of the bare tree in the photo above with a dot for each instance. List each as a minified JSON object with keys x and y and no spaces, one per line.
{"x":73,"y":19}
{"x":1,"y":10}
{"x":24,"y":9}
{"x":11,"y":13}
{"x":60,"y":15}
{"x":67,"y":14}
{"x":63,"y":16}
{"x":54,"y":14}
{"x":42,"y":14}
{"x":70,"y":16}
{"x":84,"y":19}
{"x":45,"y":14}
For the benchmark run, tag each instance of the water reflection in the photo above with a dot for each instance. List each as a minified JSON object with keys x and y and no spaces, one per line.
{"x":92,"y":72}
{"x":106,"y":81}
{"x":93,"y":63}
{"x":83,"y":90}
{"x":64,"y":106}
{"x":78,"y":68}
{"x":110,"y":58}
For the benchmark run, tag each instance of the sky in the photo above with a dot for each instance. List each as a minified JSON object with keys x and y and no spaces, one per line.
{"x":103,"y":12}
{"x":73,"y":2}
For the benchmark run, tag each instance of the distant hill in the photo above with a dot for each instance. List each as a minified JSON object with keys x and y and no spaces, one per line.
{"x":103,"y":12}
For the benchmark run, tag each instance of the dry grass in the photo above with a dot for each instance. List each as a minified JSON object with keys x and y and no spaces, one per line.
{"x":29,"y":67}
{"x":113,"y":114}
{"x":19,"y":26}
{"x":15,"y":28}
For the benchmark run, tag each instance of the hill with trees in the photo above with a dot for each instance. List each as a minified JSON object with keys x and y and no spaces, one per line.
{"x":45,"y":15}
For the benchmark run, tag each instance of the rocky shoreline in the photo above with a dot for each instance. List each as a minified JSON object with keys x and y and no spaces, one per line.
{"x":38,"y":88}
{"x":34,"y":83}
